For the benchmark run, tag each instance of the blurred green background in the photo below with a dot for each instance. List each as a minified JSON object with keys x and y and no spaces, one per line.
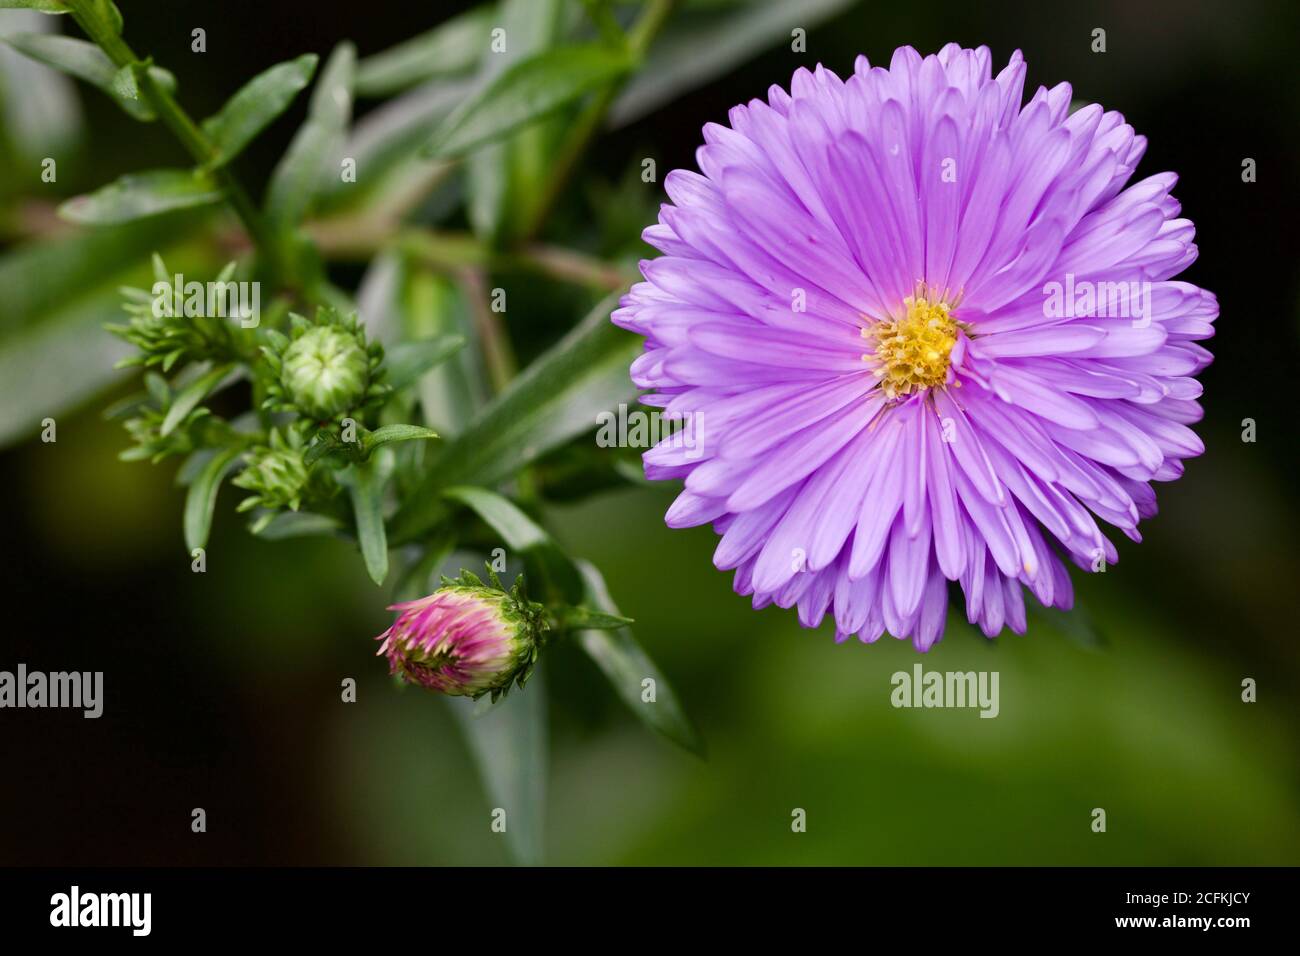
{"x":223,"y":688}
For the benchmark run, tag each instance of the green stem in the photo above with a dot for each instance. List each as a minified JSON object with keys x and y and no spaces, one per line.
{"x":589,"y":120}
{"x":498,"y":355}
{"x":92,"y":19}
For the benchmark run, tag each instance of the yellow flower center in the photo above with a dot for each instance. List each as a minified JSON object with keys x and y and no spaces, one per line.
{"x":911,"y":352}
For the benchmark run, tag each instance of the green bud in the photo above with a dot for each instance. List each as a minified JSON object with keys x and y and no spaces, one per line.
{"x":276,"y":474}
{"x":325,"y":371}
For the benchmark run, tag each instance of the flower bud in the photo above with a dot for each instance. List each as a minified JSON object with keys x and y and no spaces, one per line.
{"x":465,"y":639}
{"x":325,"y":371}
{"x":276,"y":474}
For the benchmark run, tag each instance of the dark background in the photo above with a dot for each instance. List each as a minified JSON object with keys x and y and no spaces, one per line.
{"x":222,"y":688}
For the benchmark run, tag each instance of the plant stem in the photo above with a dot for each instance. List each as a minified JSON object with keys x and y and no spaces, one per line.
{"x":498,"y":355}
{"x":92,"y":20}
{"x":589,"y":120}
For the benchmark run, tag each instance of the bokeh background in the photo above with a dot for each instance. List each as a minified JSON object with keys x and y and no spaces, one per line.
{"x":223,"y":688}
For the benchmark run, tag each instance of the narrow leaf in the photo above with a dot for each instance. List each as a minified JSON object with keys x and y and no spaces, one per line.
{"x":57,"y":364}
{"x":191,"y":466}
{"x":126,"y":87}
{"x":255,"y":105}
{"x":366,"y":490}
{"x":452,"y":47}
{"x":41,"y":277}
{"x":392,"y":433}
{"x":518,"y":531}
{"x":528,"y":91}
{"x":40,"y":108}
{"x":57,"y":295}
{"x":105,"y":11}
{"x":385,"y":143}
{"x":628,"y":667}
{"x":138,"y":195}
{"x":298,"y":524}
{"x":85,"y":61}
{"x":44,"y":6}
{"x":508,"y":743}
{"x":201,"y":500}
{"x":188,"y":398}
{"x":584,"y":618}
{"x":697,"y":48}
{"x":551,"y":574}
{"x":554,"y":400}
{"x":314,"y":155}
{"x":502,"y":178}
{"x":408,"y":361}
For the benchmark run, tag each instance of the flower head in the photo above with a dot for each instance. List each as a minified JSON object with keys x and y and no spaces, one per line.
{"x":324,"y":369}
{"x":934,"y":335}
{"x":465,"y":639}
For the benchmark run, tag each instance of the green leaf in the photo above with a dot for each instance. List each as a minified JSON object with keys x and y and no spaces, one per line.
{"x":191,"y":466}
{"x":584,"y":618}
{"x":57,"y":295}
{"x":428,"y":305}
{"x":57,"y":364}
{"x":40,"y":113}
{"x":138,"y":195}
{"x":528,"y":91}
{"x":408,"y":361}
{"x":698,"y":48}
{"x":159,"y":391}
{"x":509,"y":744}
{"x":188,"y":398}
{"x":602,"y":17}
{"x":313,"y":157}
{"x":41,"y":277}
{"x":103,"y":11}
{"x":518,"y":531}
{"x":126,"y":88}
{"x":452,"y":47}
{"x":366,"y":490}
{"x":385,"y":144}
{"x":201,"y":499}
{"x":255,"y":105}
{"x":44,"y":6}
{"x":420,"y":577}
{"x":553,"y":401}
{"x":87,"y":62}
{"x":392,"y":433}
{"x":626,"y":665}
{"x":551,"y":573}
{"x":298,"y":524}
{"x":503,"y":178}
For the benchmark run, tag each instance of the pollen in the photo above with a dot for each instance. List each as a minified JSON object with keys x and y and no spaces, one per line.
{"x":911,"y":352}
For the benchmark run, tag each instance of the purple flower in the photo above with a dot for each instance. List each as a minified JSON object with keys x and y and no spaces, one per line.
{"x":924,"y":334}
{"x":465,"y":639}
